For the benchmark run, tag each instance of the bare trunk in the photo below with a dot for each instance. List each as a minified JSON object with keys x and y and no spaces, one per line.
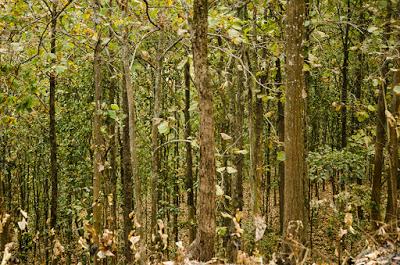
{"x":203,"y":246}
{"x":189,"y":159}
{"x":98,"y":166}
{"x":295,"y":213}
{"x":52,"y":136}
{"x":155,"y":161}
{"x":380,"y":141}
{"x":281,"y":135}
{"x":345,"y":78}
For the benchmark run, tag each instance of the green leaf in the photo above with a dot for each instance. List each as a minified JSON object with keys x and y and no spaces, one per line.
{"x":112,"y":114}
{"x":222,"y":230}
{"x":371,"y":108}
{"x":60,"y":69}
{"x":163,"y":127}
{"x":281,"y":156}
{"x":114,"y":107}
{"x":362,"y":116}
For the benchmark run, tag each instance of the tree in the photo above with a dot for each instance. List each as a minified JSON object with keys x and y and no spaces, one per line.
{"x":203,"y":246}
{"x":295,"y":213}
{"x":98,"y":141}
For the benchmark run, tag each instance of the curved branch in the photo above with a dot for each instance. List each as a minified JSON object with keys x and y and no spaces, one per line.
{"x":148,"y":16}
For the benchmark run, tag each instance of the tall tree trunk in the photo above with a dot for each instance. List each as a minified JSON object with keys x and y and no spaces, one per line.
{"x":380,"y":138}
{"x":155,"y":160}
{"x":98,"y":147}
{"x":295,"y":179}
{"x":52,"y":113}
{"x":391,"y":208}
{"x":281,"y":135}
{"x":189,"y":158}
{"x":345,"y":77}
{"x":130,"y":93}
{"x":203,"y":246}
{"x":111,"y":201}
{"x":126,"y":176}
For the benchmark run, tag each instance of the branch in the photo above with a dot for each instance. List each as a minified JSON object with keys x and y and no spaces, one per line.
{"x":171,"y":46}
{"x":148,"y":16}
{"x":44,"y":31}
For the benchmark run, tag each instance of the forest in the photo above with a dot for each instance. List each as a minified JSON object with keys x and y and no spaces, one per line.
{"x":180,"y":132}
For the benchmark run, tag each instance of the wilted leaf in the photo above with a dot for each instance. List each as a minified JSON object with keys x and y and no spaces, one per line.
{"x":396,"y":90}
{"x":218,"y":190}
{"x":22,"y":224}
{"x":58,"y":249}
{"x":221,"y":169}
{"x":134,"y":240}
{"x":342,"y":233}
{"x":7,"y":253}
{"x":260,"y":225}
{"x":348,"y":219}
{"x":226,"y":215}
{"x":372,"y":29}
{"x":231,"y":170}
{"x":24,"y":214}
{"x":82,"y":243}
{"x":390,"y":117}
{"x":102,"y":254}
{"x":241,"y":152}
{"x":226,"y":137}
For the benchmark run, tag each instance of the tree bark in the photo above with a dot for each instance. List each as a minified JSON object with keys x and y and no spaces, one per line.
{"x":189,"y":158}
{"x":345,"y":78}
{"x":98,"y":165}
{"x":380,"y":141}
{"x":281,"y":135}
{"x":295,"y":213}
{"x":155,"y":160}
{"x":203,"y":246}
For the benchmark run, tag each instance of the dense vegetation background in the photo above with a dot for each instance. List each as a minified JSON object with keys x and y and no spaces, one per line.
{"x":136,"y":131}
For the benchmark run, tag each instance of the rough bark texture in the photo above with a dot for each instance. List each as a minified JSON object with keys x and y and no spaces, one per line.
{"x":380,"y":141}
{"x":189,"y":158}
{"x":98,"y":166}
{"x":295,"y":181}
{"x":130,"y":94}
{"x":391,"y":208}
{"x":126,"y":177}
{"x":203,"y":246}
{"x":281,"y":135}
{"x":155,"y":160}
{"x":345,"y":78}
{"x":378,"y":160}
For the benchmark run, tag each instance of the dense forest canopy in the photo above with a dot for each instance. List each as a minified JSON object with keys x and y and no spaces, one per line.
{"x":176,"y":131}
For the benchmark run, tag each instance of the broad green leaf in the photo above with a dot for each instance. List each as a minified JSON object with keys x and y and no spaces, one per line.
{"x":60,"y":69}
{"x":114,"y":107}
{"x":281,"y":156}
{"x":163,"y":127}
